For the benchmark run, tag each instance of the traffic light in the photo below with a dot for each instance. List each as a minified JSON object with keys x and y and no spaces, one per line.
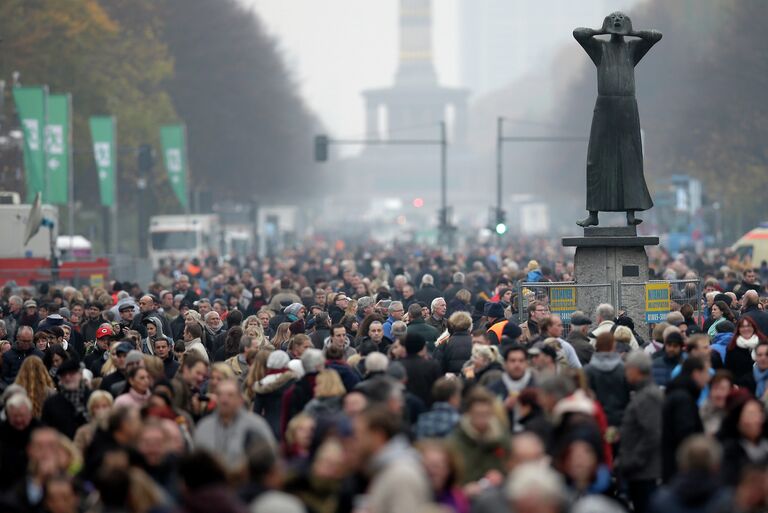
{"x":321,"y":148}
{"x":501,"y":222}
{"x":145,"y":159}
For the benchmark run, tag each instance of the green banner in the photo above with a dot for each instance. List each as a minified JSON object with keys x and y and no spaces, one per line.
{"x":30,"y":105}
{"x":57,"y":149}
{"x":103,"y":134}
{"x":173,"y":141}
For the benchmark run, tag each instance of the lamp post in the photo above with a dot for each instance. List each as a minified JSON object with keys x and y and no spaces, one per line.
{"x":500,"y":225}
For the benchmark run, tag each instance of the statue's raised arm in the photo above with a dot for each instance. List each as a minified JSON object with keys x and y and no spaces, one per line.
{"x":586,"y":38}
{"x":615,"y":180}
{"x":639,"y":47}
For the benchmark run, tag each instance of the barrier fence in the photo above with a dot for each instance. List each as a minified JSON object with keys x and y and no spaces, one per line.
{"x":563,"y":298}
{"x":647,"y":303}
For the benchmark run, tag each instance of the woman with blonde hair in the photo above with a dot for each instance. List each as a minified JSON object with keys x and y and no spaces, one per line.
{"x":329,"y":391}
{"x":219,"y":372}
{"x":484,"y":367}
{"x":252,"y":327}
{"x":256,"y":371}
{"x":34,"y":377}
{"x":623,"y":337}
{"x":110,"y":365}
{"x":99,"y":405}
{"x":298,"y":437}
{"x":282,"y":335}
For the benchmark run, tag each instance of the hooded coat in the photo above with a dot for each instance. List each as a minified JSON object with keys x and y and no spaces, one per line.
{"x":605,"y":373}
{"x":148,"y":343}
{"x":268,"y":396}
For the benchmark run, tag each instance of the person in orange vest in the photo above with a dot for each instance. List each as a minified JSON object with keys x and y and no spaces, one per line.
{"x":496,"y":322}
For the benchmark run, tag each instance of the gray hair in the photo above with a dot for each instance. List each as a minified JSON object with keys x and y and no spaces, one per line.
{"x":312,"y":360}
{"x":557,"y":386}
{"x":18,"y":400}
{"x":458,"y":277}
{"x":245,"y":343}
{"x":605,"y":311}
{"x":535,"y":481}
{"x":23,"y":329}
{"x":427,"y":279}
{"x":15,"y":299}
{"x":376,"y":362}
{"x":399,"y":329}
{"x":211,"y":314}
{"x":395,"y":305}
{"x":639,"y":360}
{"x":435,"y":301}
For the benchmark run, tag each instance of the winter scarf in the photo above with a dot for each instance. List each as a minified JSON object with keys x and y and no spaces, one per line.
{"x":748,"y":343}
{"x":760,"y":378}
{"x":77,"y":399}
{"x":516,"y":385}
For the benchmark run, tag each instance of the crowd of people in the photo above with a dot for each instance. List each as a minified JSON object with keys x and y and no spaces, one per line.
{"x":380,"y":382}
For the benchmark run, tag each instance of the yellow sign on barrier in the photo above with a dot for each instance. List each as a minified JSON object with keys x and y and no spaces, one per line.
{"x":657,"y":297}
{"x":562,"y":301}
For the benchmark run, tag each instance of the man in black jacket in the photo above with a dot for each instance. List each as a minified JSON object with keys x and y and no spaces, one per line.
{"x":163,"y":351}
{"x":13,"y":359}
{"x":750,"y":309}
{"x":92,"y":321}
{"x":640,"y":448}
{"x":67,"y":410}
{"x":680,"y":413}
{"x":421,"y":370}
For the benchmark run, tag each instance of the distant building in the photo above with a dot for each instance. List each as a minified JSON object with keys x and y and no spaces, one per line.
{"x":398,"y":178}
{"x":415,"y":98}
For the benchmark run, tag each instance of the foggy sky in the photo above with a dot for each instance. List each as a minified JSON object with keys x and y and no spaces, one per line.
{"x":337,"y":48}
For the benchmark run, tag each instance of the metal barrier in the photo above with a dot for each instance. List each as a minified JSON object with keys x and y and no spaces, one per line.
{"x":648,"y":303}
{"x":563,"y":298}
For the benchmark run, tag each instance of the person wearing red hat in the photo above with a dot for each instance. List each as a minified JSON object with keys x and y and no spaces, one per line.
{"x":100,"y":352}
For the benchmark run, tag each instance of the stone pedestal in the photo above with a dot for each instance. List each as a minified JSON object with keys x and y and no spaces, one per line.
{"x":610,"y":255}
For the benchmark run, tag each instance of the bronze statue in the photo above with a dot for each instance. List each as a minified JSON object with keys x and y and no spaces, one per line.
{"x":615,"y":181}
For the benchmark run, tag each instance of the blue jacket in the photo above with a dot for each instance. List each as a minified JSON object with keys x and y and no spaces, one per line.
{"x":12,"y":361}
{"x":662,"y":369}
{"x":535,"y":276}
{"x":387,"y":326}
{"x":720,"y":343}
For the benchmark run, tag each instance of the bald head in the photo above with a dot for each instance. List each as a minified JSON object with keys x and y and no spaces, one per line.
{"x":751,"y":298}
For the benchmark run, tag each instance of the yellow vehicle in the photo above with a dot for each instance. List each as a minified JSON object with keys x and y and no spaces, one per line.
{"x":752,"y":248}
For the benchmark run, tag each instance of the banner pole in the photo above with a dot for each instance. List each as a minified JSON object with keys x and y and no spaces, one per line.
{"x":113,"y":239}
{"x":70,"y":177}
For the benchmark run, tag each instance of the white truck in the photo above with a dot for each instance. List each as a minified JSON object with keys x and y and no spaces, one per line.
{"x":179,"y":237}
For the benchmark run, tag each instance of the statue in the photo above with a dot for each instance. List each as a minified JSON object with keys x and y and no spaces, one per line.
{"x":615,"y":181}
